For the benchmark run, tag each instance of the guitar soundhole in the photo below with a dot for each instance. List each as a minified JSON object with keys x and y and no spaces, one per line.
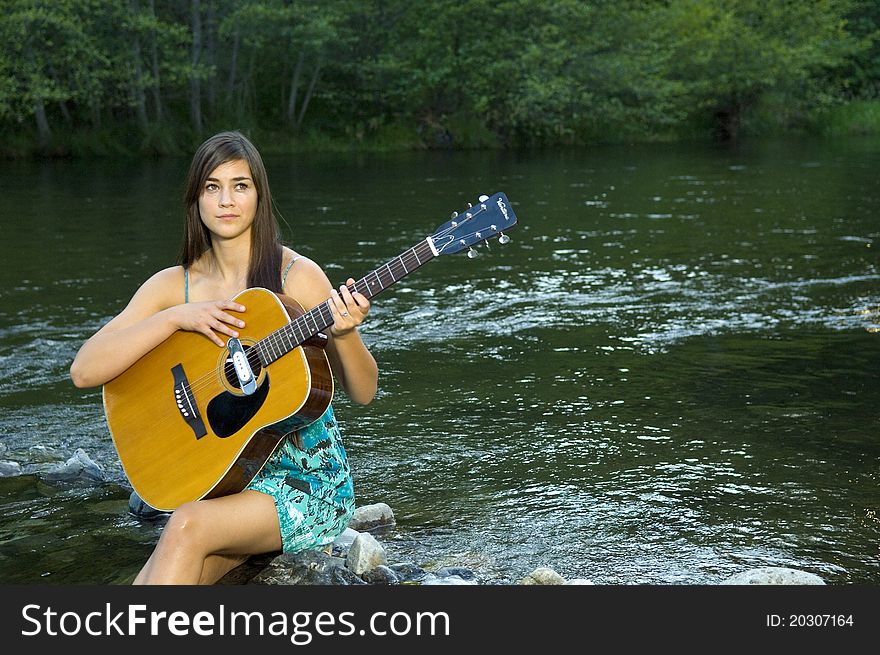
{"x":229,"y":370}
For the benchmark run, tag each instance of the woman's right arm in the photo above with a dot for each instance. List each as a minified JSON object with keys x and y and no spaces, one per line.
{"x":152,"y":315}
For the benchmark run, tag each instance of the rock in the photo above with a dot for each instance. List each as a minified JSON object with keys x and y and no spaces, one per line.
{"x":458,"y":571}
{"x":77,"y":467}
{"x":344,"y":541}
{"x":140,"y":509}
{"x":9,"y":468}
{"x":365,"y":553}
{"x":409,"y":572}
{"x":308,"y":567}
{"x":249,"y":569}
{"x":372,"y":517}
{"x":773,"y":575}
{"x":3,"y":448}
{"x":433,"y":579}
{"x":381,"y":575}
{"x":542,"y":576}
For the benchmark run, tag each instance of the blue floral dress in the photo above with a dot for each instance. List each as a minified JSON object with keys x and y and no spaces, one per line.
{"x":312,"y":485}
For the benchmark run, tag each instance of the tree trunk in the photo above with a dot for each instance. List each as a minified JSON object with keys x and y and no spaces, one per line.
{"x":195,"y":87}
{"x":211,"y":43}
{"x":44,"y":134}
{"x":233,"y":67}
{"x":294,"y":88}
{"x":138,"y":83}
{"x":154,"y":56}
{"x":309,"y":93}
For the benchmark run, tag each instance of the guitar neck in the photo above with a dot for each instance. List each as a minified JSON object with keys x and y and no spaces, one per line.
{"x":319,"y":318}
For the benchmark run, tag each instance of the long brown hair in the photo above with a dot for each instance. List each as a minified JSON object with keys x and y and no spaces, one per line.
{"x":265,"y":261}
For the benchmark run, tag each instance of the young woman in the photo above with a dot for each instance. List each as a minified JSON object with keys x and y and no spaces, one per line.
{"x":303,"y":496}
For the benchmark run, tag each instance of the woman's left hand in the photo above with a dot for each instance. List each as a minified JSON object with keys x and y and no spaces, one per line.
{"x":348,"y":309}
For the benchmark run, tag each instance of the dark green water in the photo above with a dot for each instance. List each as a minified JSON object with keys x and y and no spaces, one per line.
{"x":669,"y":375}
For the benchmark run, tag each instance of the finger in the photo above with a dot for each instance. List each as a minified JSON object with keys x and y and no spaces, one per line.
{"x":213,"y":337}
{"x":337,"y":305}
{"x":226,"y":318}
{"x":359,"y":299}
{"x":348,"y":299}
{"x":231,"y":304}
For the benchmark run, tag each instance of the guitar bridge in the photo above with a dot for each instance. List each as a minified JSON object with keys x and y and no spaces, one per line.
{"x":185,"y":402}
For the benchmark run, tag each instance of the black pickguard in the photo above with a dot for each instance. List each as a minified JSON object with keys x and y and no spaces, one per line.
{"x":227,"y":413}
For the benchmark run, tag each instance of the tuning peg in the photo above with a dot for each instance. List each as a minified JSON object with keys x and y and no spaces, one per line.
{"x":472,"y":253}
{"x":454,"y":214}
{"x":483,"y":198}
{"x":503,"y":239}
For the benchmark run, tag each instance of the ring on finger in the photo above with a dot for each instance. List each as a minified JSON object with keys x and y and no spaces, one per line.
{"x":344,"y":313}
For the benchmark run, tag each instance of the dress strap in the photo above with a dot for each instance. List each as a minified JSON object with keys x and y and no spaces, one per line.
{"x":286,"y":269}
{"x":186,"y":285}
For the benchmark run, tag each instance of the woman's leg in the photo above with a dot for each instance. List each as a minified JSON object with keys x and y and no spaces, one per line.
{"x":205,"y":539}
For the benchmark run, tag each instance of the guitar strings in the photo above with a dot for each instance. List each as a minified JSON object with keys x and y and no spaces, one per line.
{"x":274,"y":339}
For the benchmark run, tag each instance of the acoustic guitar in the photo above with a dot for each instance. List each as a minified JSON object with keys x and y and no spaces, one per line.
{"x":190,"y":420}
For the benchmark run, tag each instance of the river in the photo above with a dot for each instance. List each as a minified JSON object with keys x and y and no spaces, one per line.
{"x":668,"y":376}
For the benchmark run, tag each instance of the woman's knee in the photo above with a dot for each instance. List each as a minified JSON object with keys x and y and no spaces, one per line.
{"x":186,"y":525}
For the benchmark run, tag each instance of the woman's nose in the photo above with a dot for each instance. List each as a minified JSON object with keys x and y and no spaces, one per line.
{"x":225,"y":197}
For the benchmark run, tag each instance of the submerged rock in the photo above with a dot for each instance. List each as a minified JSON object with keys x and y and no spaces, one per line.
{"x":774,"y":575}
{"x":408,"y":572}
{"x":9,"y":468}
{"x":78,"y":467}
{"x":137,"y":507}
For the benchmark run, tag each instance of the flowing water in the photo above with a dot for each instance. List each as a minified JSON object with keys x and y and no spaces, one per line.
{"x":669,"y":375}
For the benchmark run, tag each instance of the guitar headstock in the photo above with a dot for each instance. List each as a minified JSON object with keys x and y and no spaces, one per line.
{"x":489,"y":216}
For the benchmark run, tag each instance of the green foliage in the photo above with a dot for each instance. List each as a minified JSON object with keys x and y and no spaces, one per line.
{"x":93,"y":76}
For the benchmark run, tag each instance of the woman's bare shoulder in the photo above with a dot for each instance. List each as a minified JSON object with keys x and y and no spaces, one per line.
{"x":164,"y":287}
{"x":306,"y":281}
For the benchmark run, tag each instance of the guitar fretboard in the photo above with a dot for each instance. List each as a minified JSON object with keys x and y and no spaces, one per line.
{"x":319,"y":318}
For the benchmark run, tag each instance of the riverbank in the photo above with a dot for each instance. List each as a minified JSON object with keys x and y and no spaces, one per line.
{"x":123,"y":140}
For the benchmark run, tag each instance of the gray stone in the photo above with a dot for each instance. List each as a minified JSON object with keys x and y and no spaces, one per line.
{"x":463,"y":573}
{"x":433,"y":579}
{"x":372,"y":517}
{"x":381,"y":575}
{"x":409,"y":572}
{"x":542,"y":576}
{"x":137,"y":507}
{"x":365,"y":553}
{"x":308,"y":567}
{"x":771,"y":575}
{"x":80,"y":466}
{"x":343,"y":542}
{"x":9,"y":468}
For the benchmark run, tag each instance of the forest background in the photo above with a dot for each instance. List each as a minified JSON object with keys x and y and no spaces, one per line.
{"x":114,"y":77}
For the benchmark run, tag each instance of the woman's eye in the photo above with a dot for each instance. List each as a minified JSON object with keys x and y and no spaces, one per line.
{"x":211,"y":188}
{"x":241,"y":186}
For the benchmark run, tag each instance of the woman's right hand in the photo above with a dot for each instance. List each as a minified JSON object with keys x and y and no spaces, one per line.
{"x":209,"y":318}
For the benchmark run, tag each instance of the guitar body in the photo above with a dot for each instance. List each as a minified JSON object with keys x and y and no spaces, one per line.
{"x":181,"y":423}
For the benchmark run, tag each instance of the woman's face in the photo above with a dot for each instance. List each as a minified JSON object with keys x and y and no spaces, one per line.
{"x":228,"y":200}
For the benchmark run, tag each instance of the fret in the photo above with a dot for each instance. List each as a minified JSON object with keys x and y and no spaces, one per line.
{"x":320,"y":317}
